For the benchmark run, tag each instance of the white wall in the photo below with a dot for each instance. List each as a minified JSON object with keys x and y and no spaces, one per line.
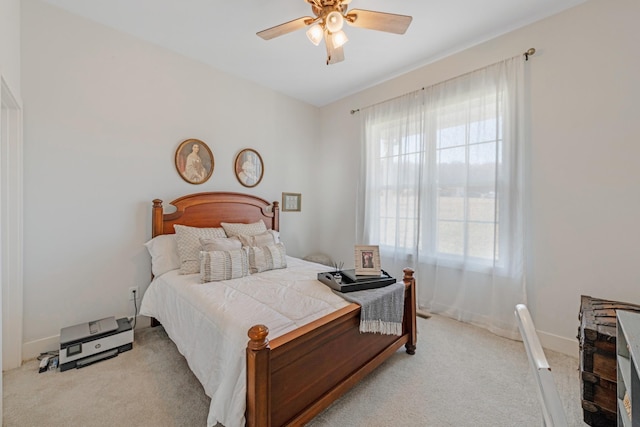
{"x":10,"y":73}
{"x":584,"y":84}
{"x":104,"y":114}
{"x":10,"y":44}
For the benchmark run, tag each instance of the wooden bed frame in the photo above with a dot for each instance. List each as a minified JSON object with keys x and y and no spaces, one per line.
{"x":292,"y":378}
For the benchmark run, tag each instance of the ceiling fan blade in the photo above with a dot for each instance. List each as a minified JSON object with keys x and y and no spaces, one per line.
{"x":337,"y":55}
{"x":381,"y":21}
{"x":285,"y":28}
{"x":334,"y":54}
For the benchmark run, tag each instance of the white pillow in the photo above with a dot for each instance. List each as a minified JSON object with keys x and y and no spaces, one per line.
{"x":267,"y":258}
{"x":164,"y":254}
{"x":188,"y":239}
{"x":269,"y":237}
{"x":235,"y":229}
{"x":220,"y":244}
{"x":223,"y":265}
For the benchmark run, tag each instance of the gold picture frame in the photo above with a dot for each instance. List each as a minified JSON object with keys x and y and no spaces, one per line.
{"x":291,"y":202}
{"x":367,"y":260}
{"x":194,"y":161}
{"x":249,"y":167}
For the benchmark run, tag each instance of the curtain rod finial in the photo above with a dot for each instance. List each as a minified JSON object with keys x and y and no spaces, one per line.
{"x":528,"y":53}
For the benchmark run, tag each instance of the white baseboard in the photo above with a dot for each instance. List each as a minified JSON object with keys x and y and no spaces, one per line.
{"x":142,"y":322}
{"x":563,"y":345}
{"x":32,"y":349}
{"x":423,"y":313}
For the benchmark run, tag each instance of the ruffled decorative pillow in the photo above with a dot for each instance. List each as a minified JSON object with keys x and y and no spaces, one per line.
{"x":220,"y":244}
{"x":269,"y":237}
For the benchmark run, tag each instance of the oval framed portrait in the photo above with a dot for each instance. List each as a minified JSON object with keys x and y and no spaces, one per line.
{"x":194,"y":161}
{"x":248,"y":167}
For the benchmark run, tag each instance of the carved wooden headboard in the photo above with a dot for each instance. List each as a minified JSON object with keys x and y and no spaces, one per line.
{"x":211,"y":209}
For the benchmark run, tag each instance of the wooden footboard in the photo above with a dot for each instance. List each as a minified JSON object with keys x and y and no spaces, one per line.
{"x":294,"y":377}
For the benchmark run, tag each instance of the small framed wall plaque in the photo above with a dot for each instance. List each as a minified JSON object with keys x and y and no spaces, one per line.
{"x":291,"y":202}
{"x":367,"y":260}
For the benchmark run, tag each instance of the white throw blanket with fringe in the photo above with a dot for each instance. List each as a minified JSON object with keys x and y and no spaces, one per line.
{"x":381,"y":310}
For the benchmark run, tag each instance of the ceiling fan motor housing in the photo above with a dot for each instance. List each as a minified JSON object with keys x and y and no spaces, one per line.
{"x":328,"y":6}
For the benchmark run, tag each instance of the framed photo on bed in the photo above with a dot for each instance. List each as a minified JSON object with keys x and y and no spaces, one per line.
{"x":249,"y":167}
{"x":194,"y":161}
{"x":367,"y":260}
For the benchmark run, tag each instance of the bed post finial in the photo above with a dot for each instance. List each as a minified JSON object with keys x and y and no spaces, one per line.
{"x":156,"y":227}
{"x":276,"y":216}
{"x":258,"y":335}
{"x":408,"y":275}
{"x":258,"y":412}
{"x":410,"y":308}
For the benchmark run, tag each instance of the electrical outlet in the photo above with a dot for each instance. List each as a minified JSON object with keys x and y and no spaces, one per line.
{"x":133,"y":293}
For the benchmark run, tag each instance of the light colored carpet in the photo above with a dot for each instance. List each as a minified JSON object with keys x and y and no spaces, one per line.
{"x":460,"y":376}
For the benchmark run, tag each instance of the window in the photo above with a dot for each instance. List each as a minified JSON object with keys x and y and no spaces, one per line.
{"x":468,"y":144}
{"x":442,"y":191}
{"x":463,"y":146}
{"x":436,"y":176}
{"x":400,"y":161}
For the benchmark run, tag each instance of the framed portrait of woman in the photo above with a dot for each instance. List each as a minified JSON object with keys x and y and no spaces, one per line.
{"x":194,"y":161}
{"x":367,"y":260}
{"x":248,"y":167}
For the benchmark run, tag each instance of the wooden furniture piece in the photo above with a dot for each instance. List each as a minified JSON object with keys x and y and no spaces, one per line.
{"x":597,"y":337}
{"x":628,"y":358}
{"x":552,"y":410}
{"x":293,"y":377}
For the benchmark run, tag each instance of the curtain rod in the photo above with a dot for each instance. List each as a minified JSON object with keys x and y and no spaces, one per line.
{"x":527,"y":54}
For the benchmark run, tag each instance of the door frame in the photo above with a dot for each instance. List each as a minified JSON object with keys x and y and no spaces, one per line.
{"x":11,"y":228}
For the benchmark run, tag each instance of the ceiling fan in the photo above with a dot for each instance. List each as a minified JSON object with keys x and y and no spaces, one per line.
{"x":330,"y":16}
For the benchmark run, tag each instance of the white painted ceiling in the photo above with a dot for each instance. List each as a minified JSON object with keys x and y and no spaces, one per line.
{"x":223,"y":35}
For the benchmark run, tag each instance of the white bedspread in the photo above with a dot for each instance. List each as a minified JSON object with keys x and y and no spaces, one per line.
{"x":209,"y":323}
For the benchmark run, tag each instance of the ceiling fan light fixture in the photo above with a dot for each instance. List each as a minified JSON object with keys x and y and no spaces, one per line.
{"x":315,"y":34}
{"x":329,"y":22}
{"x":334,"y":22}
{"x":339,"y":38}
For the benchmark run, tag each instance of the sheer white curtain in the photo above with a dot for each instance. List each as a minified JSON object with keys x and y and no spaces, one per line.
{"x":442,"y":191}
